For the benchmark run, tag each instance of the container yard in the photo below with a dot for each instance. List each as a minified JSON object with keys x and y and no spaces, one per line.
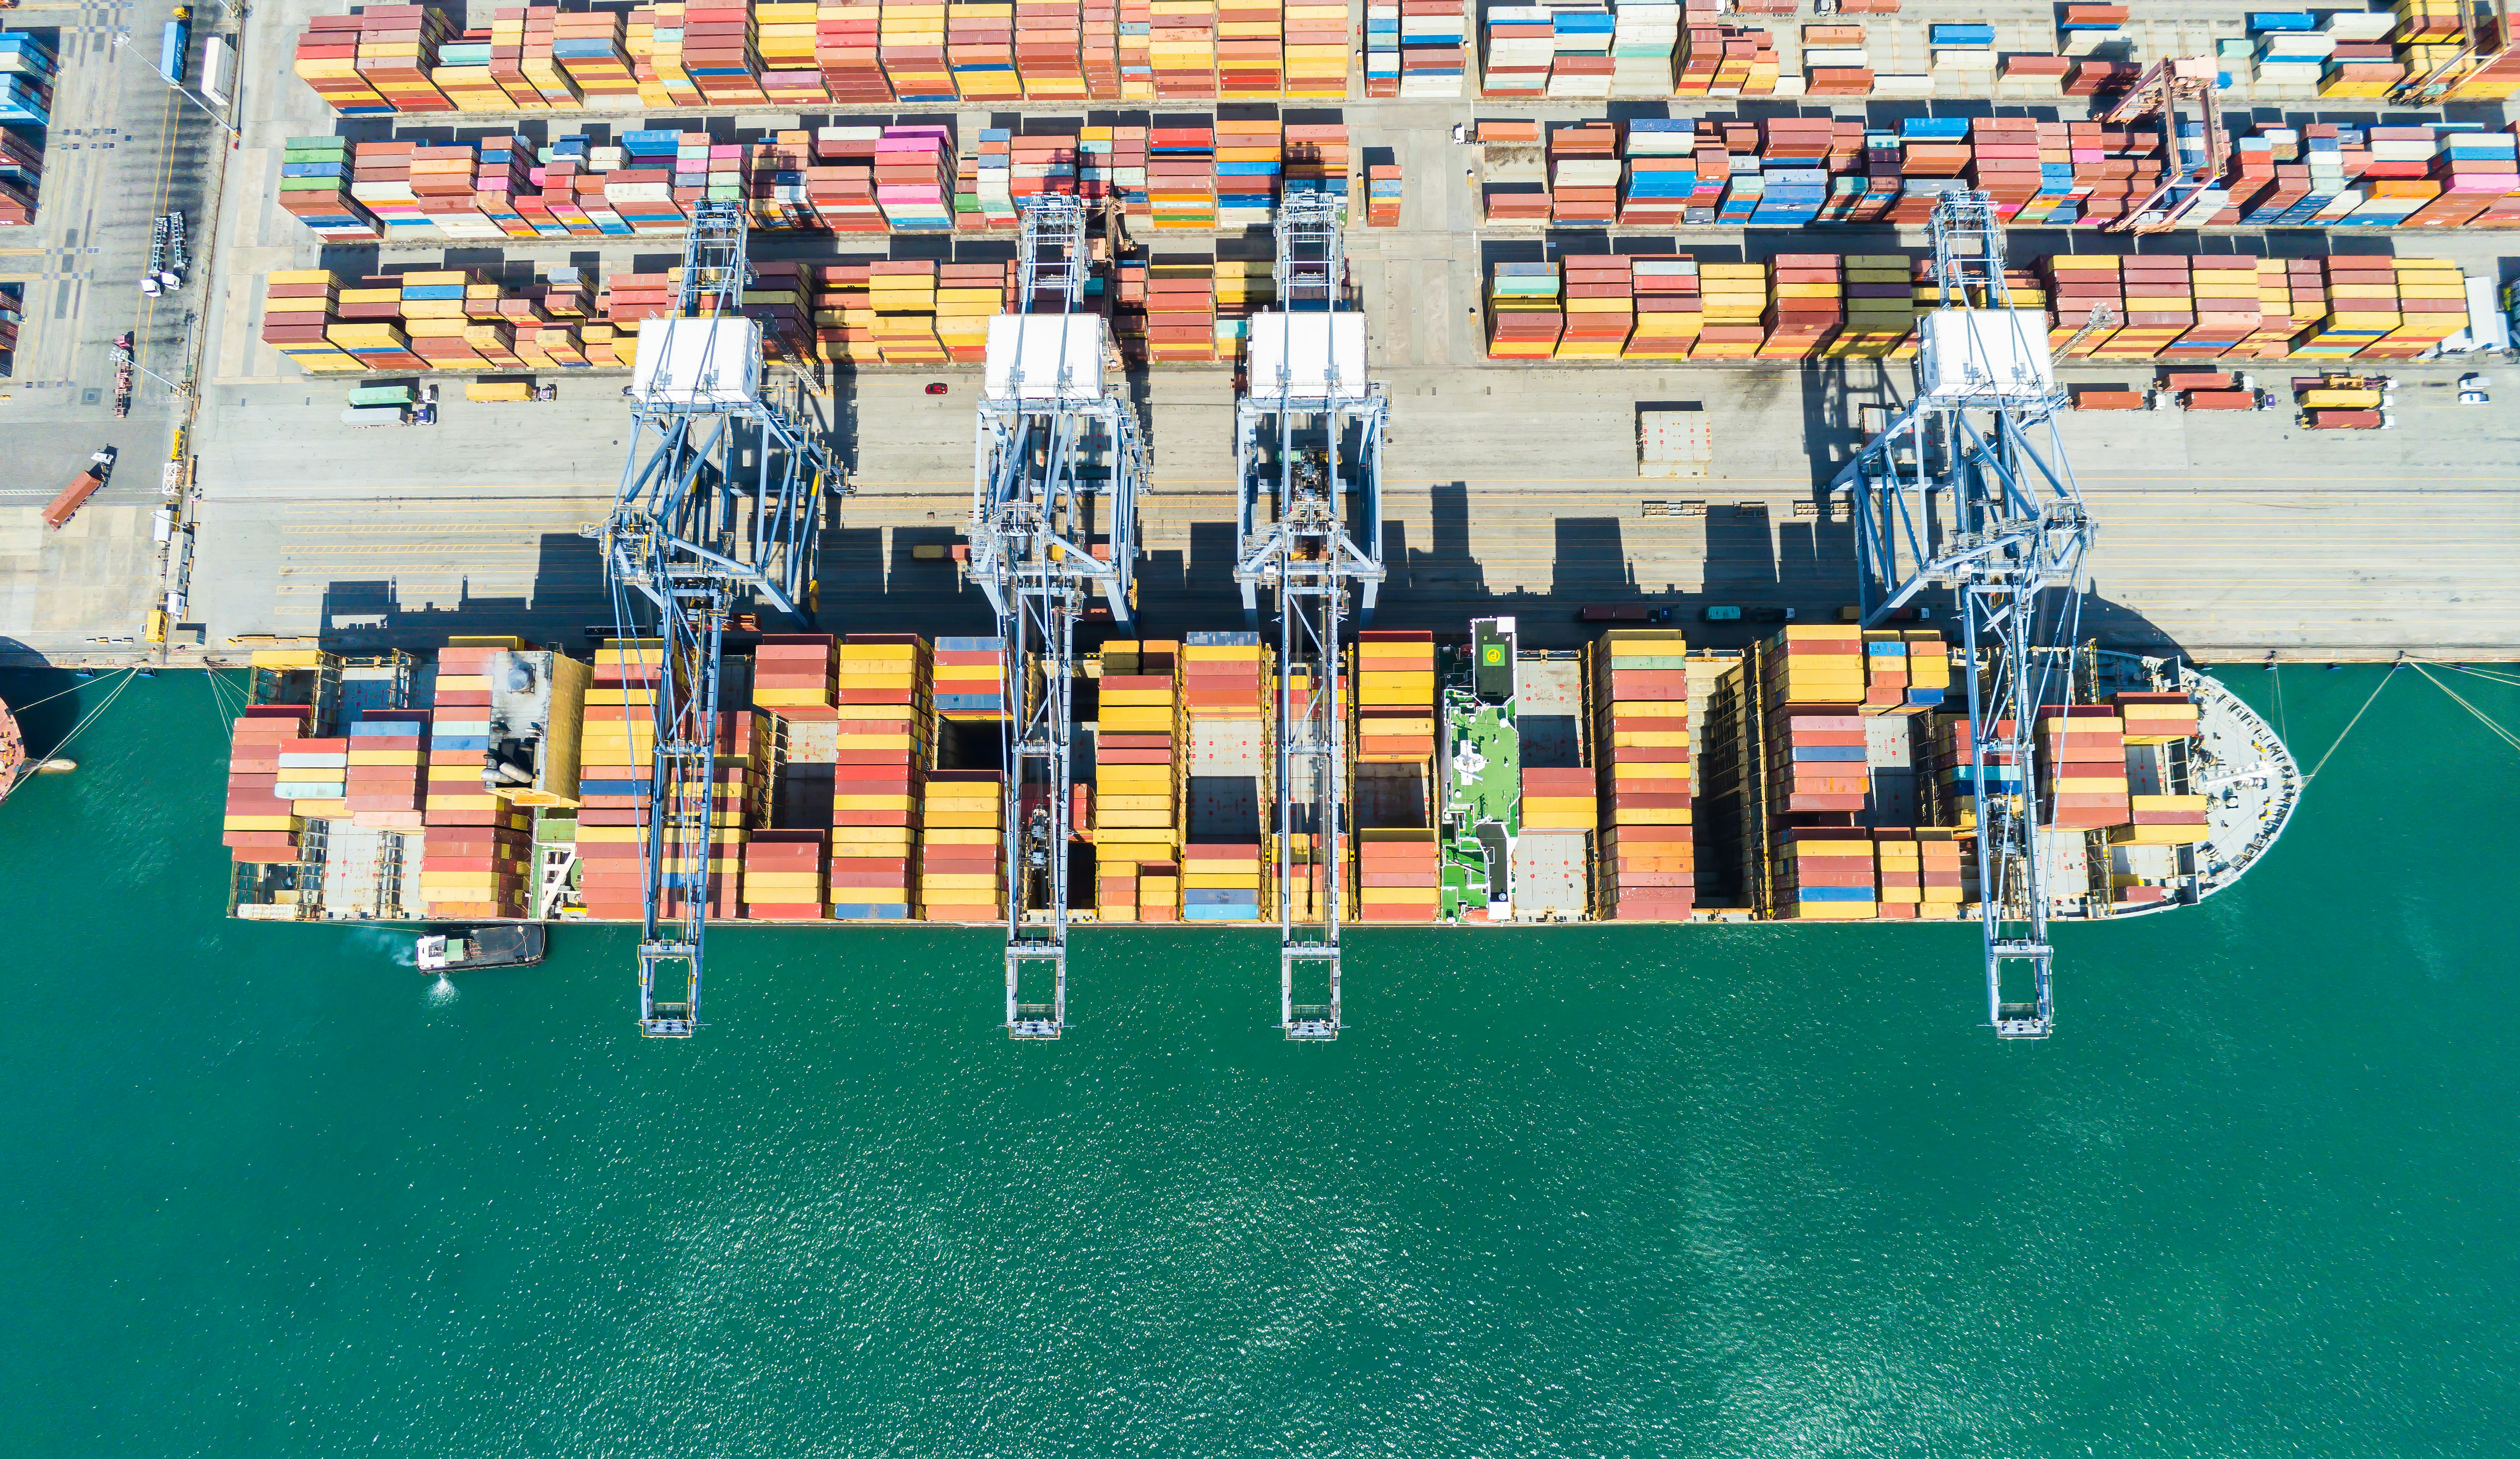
{"x":980,"y":362}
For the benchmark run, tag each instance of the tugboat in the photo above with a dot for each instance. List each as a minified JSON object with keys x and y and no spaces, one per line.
{"x":460,"y":949}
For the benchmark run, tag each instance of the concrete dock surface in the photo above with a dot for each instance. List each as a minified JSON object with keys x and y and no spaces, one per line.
{"x":2222,"y":536}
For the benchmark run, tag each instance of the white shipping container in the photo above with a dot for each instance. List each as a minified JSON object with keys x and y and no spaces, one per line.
{"x":1588,"y":172}
{"x":2357,"y":24}
{"x":218,"y":64}
{"x":2488,"y":326}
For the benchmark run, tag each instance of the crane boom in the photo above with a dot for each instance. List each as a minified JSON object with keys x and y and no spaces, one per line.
{"x":1969,"y":490}
{"x":720,"y":503}
{"x":1052,"y":440}
{"x":1308,"y":462}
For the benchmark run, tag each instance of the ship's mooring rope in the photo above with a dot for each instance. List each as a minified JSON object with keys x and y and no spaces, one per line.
{"x":2499,"y":733}
{"x":226,"y":697}
{"x":2494,"y":676}
{"x":48,"y":698}
{"x":88,"y":718}
{"x":2349,"y":727}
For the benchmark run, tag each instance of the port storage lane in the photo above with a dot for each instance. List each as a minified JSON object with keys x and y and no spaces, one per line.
{"x":120,"y":150}
{"x":2228,"y":532}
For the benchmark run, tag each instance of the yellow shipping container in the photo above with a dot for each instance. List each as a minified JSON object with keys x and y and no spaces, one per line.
{"x":782,"y":881}
{"x":1833,"y":912}
{"x":957,"y":881}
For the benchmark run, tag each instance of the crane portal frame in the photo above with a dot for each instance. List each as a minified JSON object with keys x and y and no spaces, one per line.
{"x":1308,"y":464}
{"x":1969,"y":490}
{"x":721,"y":503}
{"x":1046,"y":419}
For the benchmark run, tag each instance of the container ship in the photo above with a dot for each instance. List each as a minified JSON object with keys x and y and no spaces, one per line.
{"x":13,"y":752}
{"x":1819,"y":776}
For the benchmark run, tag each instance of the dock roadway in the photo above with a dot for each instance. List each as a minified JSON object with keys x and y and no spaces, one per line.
{"x":122,"y":148}
{"x":1512,"y":489}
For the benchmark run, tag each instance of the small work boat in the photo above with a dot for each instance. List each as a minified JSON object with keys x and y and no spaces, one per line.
{"x":499,"y":944}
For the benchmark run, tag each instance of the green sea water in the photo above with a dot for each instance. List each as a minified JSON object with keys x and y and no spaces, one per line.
{"x":1718,"y":1191}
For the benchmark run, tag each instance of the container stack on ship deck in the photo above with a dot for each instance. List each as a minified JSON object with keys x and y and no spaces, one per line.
{"x":261,"y":825}
{"x":1648,"y":835}
{"x":389,"y":769}
{"x":617,"y":752}
{"x":860,"y":779}
{"x":1226,"y":782}
{"x":785,"y":863}
{"x":962,"y":858}
{"x":884,"y":743}
{"x":1812,"y":691}
{"x":2082,"y":767}
{"x":1397,"y":872}
{"x":1137,"y":836}
{"x":478,"y":856}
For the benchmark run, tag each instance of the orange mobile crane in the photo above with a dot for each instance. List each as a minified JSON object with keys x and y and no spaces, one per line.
{"x":2193,"y":151}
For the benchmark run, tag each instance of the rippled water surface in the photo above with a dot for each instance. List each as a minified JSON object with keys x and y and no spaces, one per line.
{"x":1616,"y":1192}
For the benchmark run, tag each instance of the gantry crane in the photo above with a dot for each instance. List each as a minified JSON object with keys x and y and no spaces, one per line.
{"x":2192,"y":156}
{"x":1956,"y":495}
{"x":720,"y":505}
{"x":1307,"y":461}
{"x":1052,"y":439}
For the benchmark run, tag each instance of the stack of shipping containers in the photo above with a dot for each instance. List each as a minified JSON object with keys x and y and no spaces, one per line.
{"x":2159,"y":821}
{"x":783,"y":861}
{"x":1524,"y":312}
{"x":1648,"y":866}
{"x":1670,"y":309}
{"x":962,"y":846}
{"x":1812,"y":692}
{"x":616,"y":758}
{"x":260,"y":825}
{"x":962,"y":856}
{"x":885,"y":718}
{"x":388,"y":768}
{"x":477,"y":855}
{"x":1137,"y":829}
{"x":2082,"y":767}
{"x":1396,"y":874}
{"x":1919,"y":873}
{"x":1226,"y":781}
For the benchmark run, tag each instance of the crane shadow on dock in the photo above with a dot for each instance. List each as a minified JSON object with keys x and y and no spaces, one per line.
{"x":872,"y":580}
{"x":565,"y":606}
